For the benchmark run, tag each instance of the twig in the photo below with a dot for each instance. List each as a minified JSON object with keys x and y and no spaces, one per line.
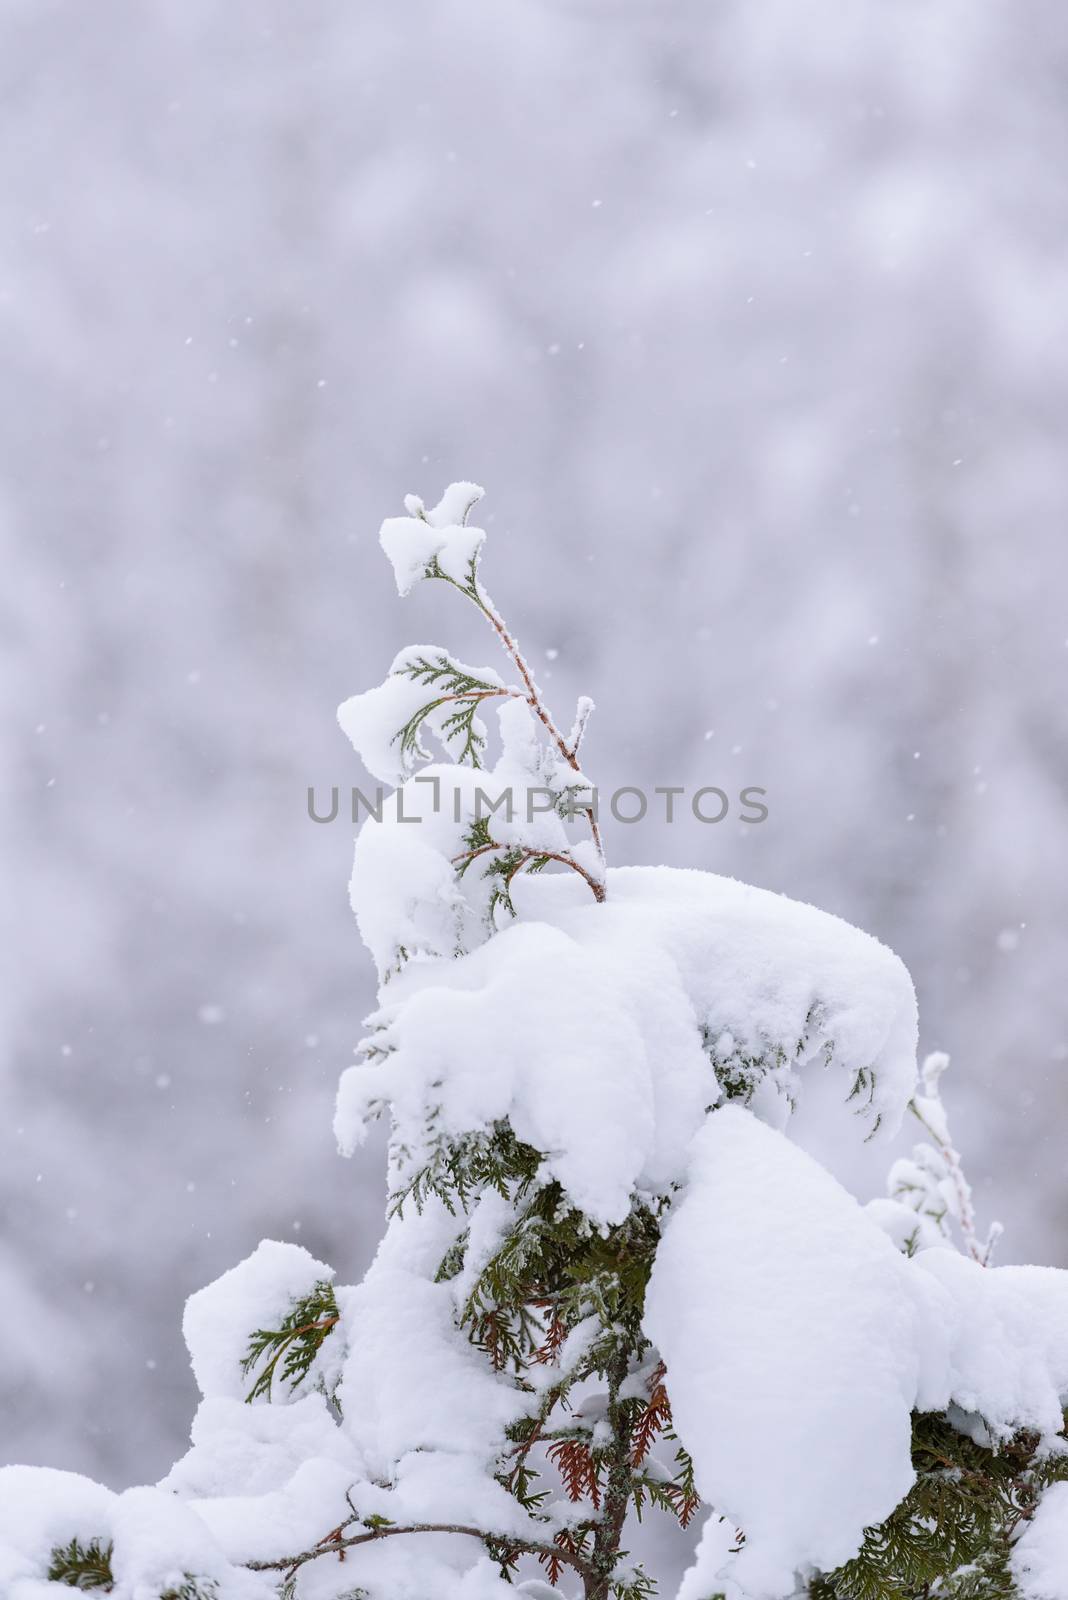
{"x":568,"y":749}
{"x":965,"y":1209}
{"x":597,"y":888}
{"x":332,"y":1546}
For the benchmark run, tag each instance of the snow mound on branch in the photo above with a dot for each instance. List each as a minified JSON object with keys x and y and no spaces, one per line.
{"x":371,"y":720}
{"x":431,"y":1391}
{"x":792,"y":1336}
{"x":546,"y":1031}
{"x":579,"y":1005}
{"x":798,"y":1342}
{"x":440,"y":536}
{"x":409,"y":900}
{"x":404,"y":889}
{"x":780,"y":977}
{"x":241,"y":1449}
{"x":1040,"y":1560}
{"x":257,"y":1293}
{"x":41,"y":1508}
{"x":157,"y":1541}
{"x":1009,"y":1359}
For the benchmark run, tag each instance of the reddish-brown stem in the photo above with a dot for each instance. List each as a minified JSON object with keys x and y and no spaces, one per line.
{"x":596,"y":888}
{"x":332,"y":1545}
{"x":534,"y":700}
{"x":482,"y":694}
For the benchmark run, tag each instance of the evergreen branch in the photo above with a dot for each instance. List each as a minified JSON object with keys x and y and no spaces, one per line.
{"x":568,"y":1543}
{"x":475,"y":591}
{"x":606,"y":1544}
{"x":295,"y":1343}
{"x":83,"y":1566}
{"x":518,"y":856}
{"x":655,"y":1416}
{"x":638,"y":1586}
{"x":459,"y":1169}
{"x":457,"y":686}
{"x":952,"y":1534}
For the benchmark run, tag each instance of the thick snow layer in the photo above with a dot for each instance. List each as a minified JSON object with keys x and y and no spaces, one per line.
{"x":409,"y":899}
{"x":439,"y":535}
{"x":614,"y":1004}
{"x":242,"y":1449}
{"x":157,"y":1541}
{"x":1008,"y":1358}
{"x":580,"y":1035}
{"x":431,"y":1389}
{"x":1040,"y":1558}
{"x":777,"y":974}
{"x":424,"y":1424}
{"x":257,"y":1293}
{"x":792,"y":1338}
{"x":284,"y":1521}
{"x":41,"y":1508}
{"x":798,"y":1341}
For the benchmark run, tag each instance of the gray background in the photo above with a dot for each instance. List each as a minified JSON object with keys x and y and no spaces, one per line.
{"x":751,"y":319}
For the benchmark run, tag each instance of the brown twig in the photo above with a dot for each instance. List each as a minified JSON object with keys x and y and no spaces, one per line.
{"x":332,"y":1545}
{"x":468,"y":856}
{"x":533,"y":698}
{"x":482,"y":694}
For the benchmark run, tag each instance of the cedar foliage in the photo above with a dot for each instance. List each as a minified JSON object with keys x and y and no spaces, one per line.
{"x":952,"y":1534}
{"x":83,"y":1566}
{"x":87,"y":1567}
{"x":293,"y":1345}
{"x":450,"y":683}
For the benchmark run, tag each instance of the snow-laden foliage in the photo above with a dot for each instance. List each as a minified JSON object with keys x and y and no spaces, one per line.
{"x":611,"y":1286}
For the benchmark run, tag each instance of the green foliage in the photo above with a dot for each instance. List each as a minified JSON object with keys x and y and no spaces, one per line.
{"x":452,"y":685}
{"x":550,"y":1272}
{"x":634,"y":1585}
{"x":83,"y":1566}
{"x":459,"y":1169}
{"x":469,"y":585}
{"x":741,"y":1072}
{"x":500,"y":863}
{"x":192,"y":1588}
{"x":293,"y":1345}
{"x":952,"y":1534}
{"x":863,"y":1091}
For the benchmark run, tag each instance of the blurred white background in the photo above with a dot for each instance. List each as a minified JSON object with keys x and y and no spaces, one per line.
{"x":751,"y":319}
